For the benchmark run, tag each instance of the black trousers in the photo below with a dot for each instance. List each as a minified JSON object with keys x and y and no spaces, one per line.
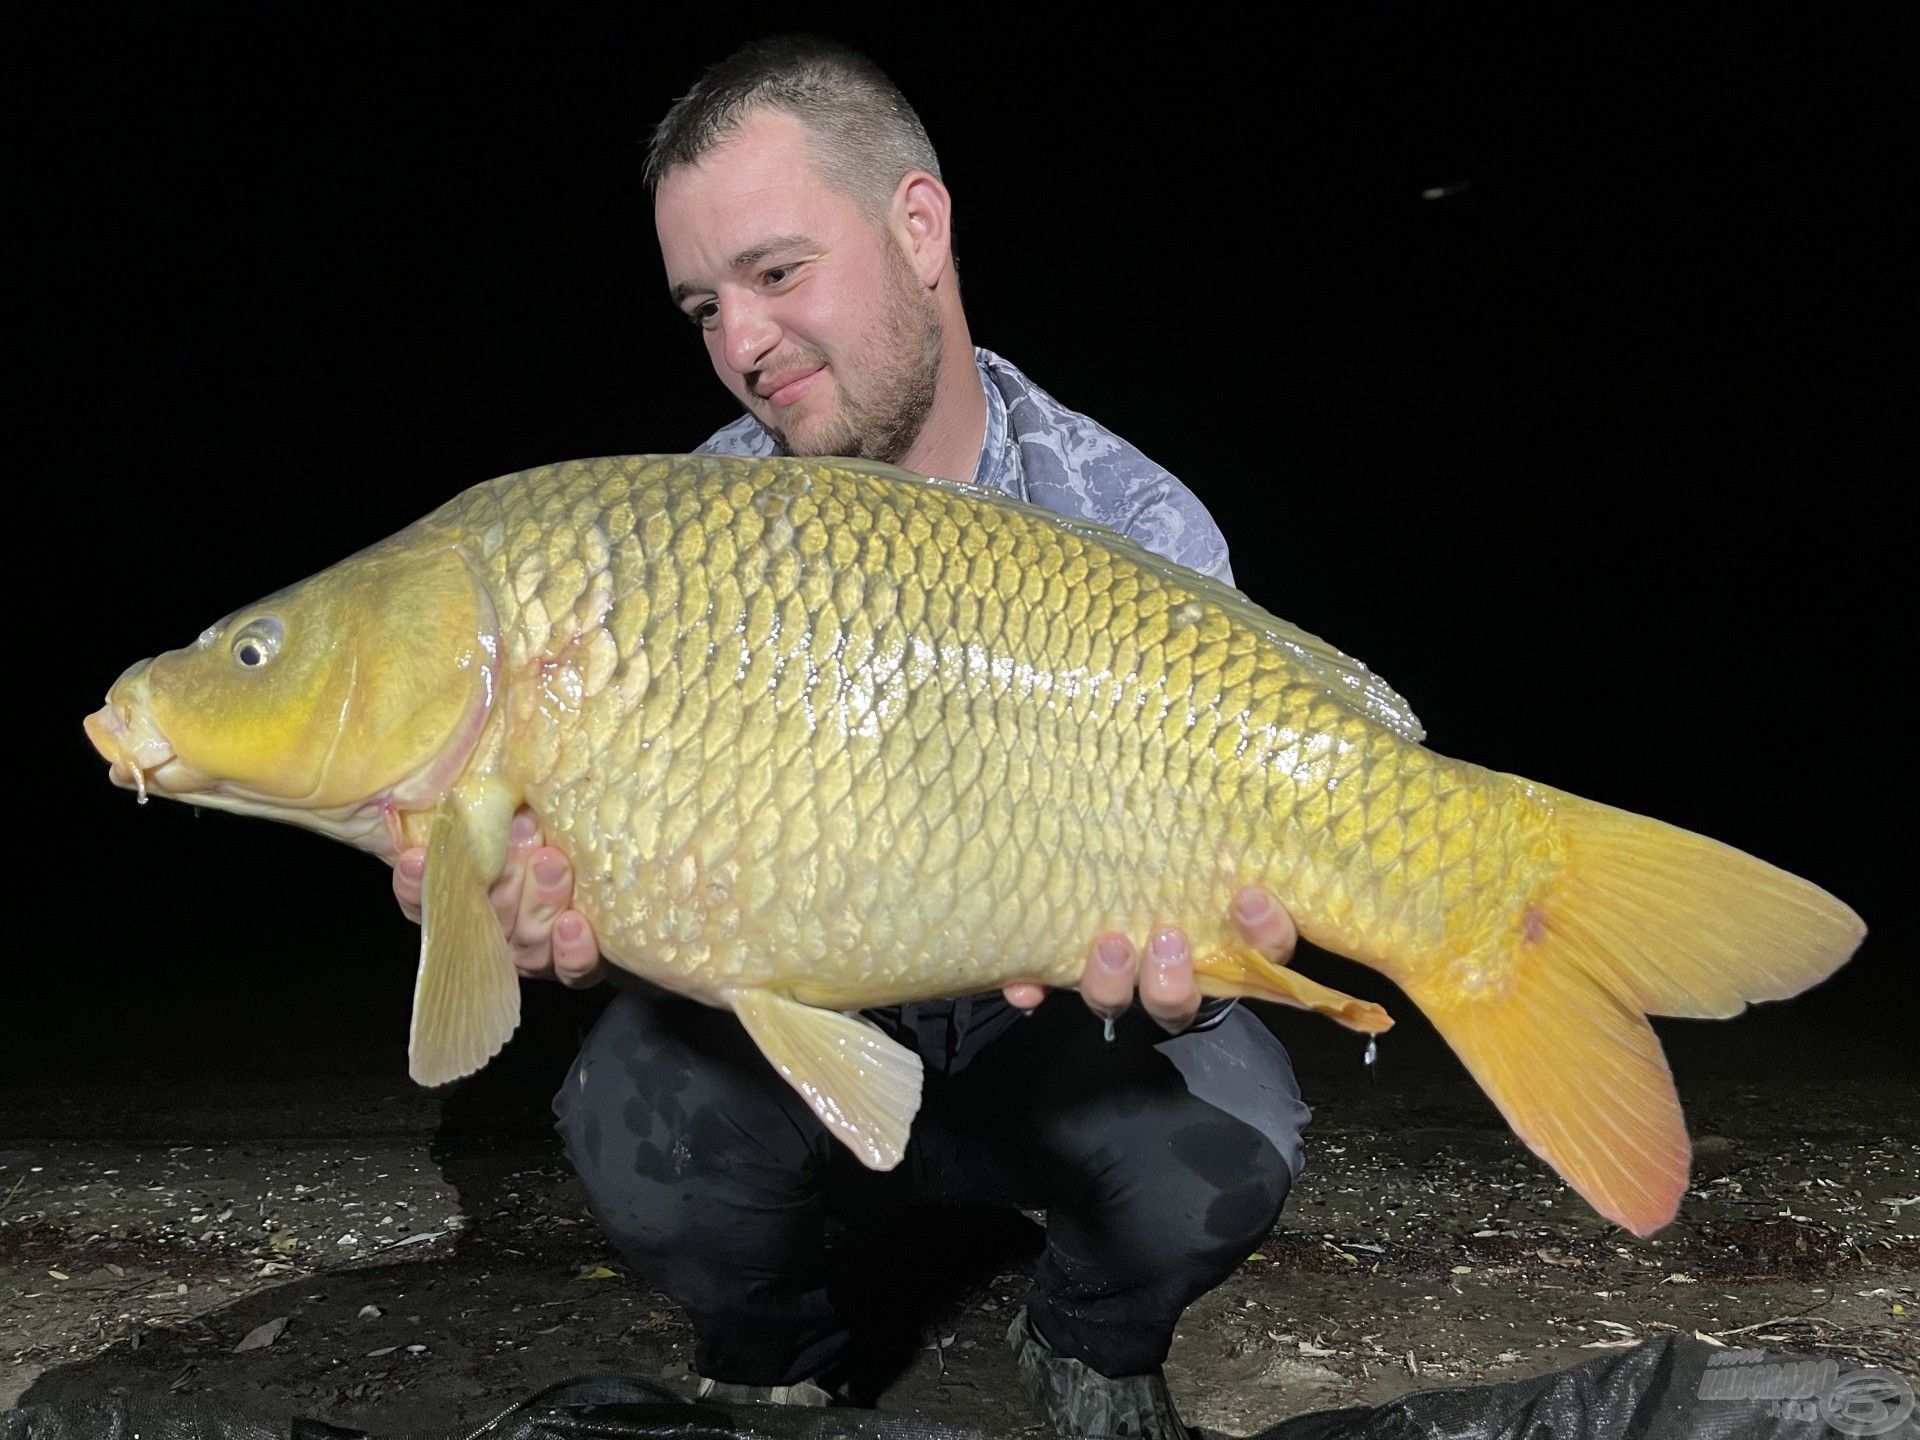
{"x":1161,"y":1163}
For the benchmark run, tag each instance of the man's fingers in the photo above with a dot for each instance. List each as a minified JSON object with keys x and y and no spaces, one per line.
{"x":1024,"y":994}
{"x":546,"y":884}
{"x":1107,"y":983}
{"x":549,"y":889}
{"x":1264,"y":924}
{"x":407,"y":873}
{"x":507,"y":891}
{"x":1167,"y":991}
{"x":576,"y":952}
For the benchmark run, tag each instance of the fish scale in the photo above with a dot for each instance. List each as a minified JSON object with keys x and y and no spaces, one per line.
{"x":1012,"y":712}
{"x":818,"y":735}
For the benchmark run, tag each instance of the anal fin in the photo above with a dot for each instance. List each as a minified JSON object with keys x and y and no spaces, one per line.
{"x":466,"y":997}
{"x":1241,"y":972}
{"x":864,"y":1086}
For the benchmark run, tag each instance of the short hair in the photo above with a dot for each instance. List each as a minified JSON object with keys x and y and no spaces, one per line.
{"x":866,"y":136}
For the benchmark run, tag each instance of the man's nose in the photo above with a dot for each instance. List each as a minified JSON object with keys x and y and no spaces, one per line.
{"x":747,"y":334}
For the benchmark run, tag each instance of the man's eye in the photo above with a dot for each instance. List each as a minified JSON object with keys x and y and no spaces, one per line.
{"x":777,"y":275}
{"x":701,"y":316}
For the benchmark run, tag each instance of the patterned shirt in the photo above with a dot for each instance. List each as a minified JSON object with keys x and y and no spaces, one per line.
{"x":1038,"y":450}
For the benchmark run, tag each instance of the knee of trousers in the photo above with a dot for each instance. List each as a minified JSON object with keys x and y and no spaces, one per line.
{"x":677,"y":1126}
{"x":1198,"y":1204}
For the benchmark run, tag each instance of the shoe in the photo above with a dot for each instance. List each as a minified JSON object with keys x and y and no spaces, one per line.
{"x":725,"y":1392}
{"x":1082,"y":1404}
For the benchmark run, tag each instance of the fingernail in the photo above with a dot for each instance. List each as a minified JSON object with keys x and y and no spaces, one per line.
{"x":549,"y":872}
{"x":524,"y":829}
{"x":1112,"y":955}
{"x":1252,"y":909}
{"x":1168,"y":945}
{"x":414,"y":866}
{"x":568,"y":928}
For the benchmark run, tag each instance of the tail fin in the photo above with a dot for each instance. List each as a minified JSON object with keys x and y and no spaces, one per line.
{"x":1640,"y":918}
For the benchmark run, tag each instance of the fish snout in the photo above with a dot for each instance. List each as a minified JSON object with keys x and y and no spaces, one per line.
{"x":124,"y":733}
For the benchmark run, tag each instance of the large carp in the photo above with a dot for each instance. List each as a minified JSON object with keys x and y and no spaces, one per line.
{"x":818,"y":735}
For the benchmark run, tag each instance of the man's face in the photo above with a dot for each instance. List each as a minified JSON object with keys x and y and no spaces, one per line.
{"x":811,"y":313}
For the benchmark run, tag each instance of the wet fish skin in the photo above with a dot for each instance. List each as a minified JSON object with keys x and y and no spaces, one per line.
{"x":812,"y":729}
{"x":818,"y":735}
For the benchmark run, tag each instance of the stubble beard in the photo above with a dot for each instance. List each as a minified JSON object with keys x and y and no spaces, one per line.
{"x":883,"y":417}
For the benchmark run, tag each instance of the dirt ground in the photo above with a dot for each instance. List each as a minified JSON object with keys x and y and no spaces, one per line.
{"x":410,"y":1260}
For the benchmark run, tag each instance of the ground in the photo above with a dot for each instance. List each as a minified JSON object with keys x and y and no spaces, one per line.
{"x":411,"y":1260}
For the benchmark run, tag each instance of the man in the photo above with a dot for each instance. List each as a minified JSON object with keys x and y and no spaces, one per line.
{"x":808,"y":236}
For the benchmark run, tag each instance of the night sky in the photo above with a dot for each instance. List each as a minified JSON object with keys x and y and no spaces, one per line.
{"x":1592,"y":458}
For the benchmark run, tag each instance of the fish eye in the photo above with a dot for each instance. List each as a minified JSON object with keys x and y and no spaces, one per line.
{"x":257,"y":643}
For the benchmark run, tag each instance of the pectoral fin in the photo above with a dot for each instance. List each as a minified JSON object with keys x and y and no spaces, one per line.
{"x":864,"y":1087}
{"x":466,"y":998}
{"x":1244,"y":973}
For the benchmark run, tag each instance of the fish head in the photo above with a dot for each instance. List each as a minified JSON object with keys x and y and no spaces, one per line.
{"x":359,"y":691}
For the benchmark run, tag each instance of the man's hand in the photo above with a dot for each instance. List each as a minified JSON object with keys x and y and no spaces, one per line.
{"x":1165,"y":976}
{"x":549,"y":941}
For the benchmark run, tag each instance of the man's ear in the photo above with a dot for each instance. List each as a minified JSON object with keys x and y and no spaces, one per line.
{"x":923,"y":222}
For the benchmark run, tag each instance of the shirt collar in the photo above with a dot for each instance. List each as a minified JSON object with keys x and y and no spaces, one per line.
{"x":999,"y":467}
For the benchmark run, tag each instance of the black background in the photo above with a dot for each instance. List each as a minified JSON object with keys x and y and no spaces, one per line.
{"x":1598,"y":459}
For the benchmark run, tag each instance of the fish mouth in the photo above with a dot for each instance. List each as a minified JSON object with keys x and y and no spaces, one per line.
{"x":137,"y":754}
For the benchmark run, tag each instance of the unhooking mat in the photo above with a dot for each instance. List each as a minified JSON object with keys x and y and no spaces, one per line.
{"x":1671,"y":1388}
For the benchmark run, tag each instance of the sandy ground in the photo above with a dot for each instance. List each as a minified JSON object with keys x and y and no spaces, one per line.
{"x":411,"y":1260}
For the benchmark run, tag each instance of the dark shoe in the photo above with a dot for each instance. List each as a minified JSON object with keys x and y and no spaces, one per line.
{"x":1082,"y":1404}
{"x":725,"y":1392}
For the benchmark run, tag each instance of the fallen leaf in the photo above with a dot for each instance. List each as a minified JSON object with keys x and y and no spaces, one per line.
{"x":59,"y":1274}
{"x":370,"y":1312}
{"x":596,"y":1272}
{"x":262,"y":1336}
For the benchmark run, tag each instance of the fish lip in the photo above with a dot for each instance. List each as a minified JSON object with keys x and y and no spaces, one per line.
{"x":138,"y":756}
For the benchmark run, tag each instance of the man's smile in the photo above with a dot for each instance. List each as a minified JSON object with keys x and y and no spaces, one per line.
{"x":787,"y":389}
